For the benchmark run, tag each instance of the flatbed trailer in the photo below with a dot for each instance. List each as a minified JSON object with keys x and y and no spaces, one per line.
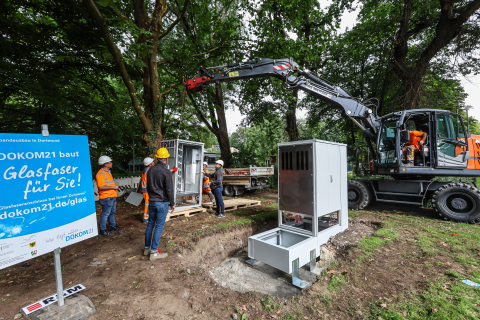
{"x":237,"y":181}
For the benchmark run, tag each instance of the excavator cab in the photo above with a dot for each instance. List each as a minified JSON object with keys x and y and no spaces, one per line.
{"x":421,"y":142}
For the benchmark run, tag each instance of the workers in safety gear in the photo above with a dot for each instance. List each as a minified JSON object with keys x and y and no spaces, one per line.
{"x":417,"y":140}
{"x":160,"y":193}
{"x":206,"y":183}
{"x":107,"y":191}
{"x":162,"y":153}
{"x":217,"y":188}
{"x":148,"y":163}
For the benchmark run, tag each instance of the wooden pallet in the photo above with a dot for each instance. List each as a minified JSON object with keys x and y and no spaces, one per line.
{"x":184,"y":213}
{"x":234,"y":204}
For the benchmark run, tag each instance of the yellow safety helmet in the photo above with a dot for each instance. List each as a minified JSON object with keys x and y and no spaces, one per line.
{"x":162,"y":153}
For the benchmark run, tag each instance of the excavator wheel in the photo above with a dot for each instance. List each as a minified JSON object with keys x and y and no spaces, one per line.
{"x":459,"y":202}
{"x":359,"y":195}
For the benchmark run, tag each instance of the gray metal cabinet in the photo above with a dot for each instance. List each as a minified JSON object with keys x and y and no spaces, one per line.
{"x":313,"y":204}
{"x":187,"y":157}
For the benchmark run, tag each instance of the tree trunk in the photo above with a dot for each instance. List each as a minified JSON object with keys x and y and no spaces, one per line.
{"x":291,"y":117}
{"x":222,"y":132}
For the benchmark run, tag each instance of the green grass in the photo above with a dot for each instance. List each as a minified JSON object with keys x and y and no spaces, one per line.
{"x":369,"y":245}
{"x":326,"y":299}
{"x":272,"y":206}
{"x":388,"y":234}
{"x":246,"y":221}
{"x":268,"y":304}
{"x":453,"y":273}
{"x":336,"y":282}
{"x":353,"y":213}
{"x":438,"y":301}
{"x":381,"y":237}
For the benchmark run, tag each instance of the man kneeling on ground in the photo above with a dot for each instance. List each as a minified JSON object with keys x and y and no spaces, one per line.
{"x":160,"y":193}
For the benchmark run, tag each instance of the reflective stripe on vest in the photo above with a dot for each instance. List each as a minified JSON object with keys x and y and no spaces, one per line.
{"x":106,"y":178}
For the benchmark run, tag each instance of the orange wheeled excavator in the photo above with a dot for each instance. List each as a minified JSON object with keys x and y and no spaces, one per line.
{"x":413,"y":147}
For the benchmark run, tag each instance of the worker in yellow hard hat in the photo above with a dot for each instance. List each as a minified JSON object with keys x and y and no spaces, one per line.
{"x":160,"y":193}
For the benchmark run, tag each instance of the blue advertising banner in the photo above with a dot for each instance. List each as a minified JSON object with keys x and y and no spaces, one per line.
{"x":46,"y":194}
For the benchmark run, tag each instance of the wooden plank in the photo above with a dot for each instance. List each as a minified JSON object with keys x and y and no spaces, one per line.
{"x":184,"y":213}
{"x":234,"y":204}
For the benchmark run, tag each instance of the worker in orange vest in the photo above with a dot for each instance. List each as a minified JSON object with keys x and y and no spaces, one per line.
{"x":107,"y":191}
{"x":206,"y":183}
{"x":148,"y":163}
{"x":417,"y":139}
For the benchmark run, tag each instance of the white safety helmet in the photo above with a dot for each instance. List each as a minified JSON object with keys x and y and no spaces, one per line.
{"x":147,"y":161}
{"x":103,"y":159}
{"x":206,"y":164}
{"x":220,"y":162}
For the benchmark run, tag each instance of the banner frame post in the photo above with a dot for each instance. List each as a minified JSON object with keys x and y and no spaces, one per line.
{"x":58,"y":276}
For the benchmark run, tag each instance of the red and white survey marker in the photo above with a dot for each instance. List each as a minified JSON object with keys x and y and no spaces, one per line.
{"x":53,"y":298}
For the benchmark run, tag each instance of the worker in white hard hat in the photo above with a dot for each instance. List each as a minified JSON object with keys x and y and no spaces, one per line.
{"x":217,"y":188}
{"x":147,"y":163}
{"x":107,"y":191}
{"x":160,"y":192}
{"x":206,"y":183}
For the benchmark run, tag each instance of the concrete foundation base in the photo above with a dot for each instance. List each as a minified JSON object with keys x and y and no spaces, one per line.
{"x":76,"y":307}
{"x":235,"y":274}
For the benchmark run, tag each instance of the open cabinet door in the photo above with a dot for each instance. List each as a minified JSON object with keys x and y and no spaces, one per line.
{"x":452,"y":151}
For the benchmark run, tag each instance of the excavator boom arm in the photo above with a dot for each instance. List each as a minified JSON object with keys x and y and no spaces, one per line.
{"x":293,"y":77}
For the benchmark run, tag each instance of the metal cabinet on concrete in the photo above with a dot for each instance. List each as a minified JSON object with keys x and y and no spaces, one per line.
{"x":312,"y":203}
{"x":187,"y":157}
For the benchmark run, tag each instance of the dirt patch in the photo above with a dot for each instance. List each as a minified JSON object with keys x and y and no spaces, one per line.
{"x":357,"y":230}
{"x":123,"y":284}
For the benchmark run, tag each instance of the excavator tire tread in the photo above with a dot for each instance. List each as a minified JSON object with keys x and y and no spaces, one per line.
{"x":365,"y":194}
{"x":460,"y":188}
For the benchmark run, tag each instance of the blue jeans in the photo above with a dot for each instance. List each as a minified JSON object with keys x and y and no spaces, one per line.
{"x":219,"y":201}
{"x":109,"y":206}
{"x":157,"y":214}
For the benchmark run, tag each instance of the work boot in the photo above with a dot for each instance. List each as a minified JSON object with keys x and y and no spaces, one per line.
{"x":157,"y":255}
{"x":118,"y":229}
{"x":106,"y":234}
{"x":146,"y":251}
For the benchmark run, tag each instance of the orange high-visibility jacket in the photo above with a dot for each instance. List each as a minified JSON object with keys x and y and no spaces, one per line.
{"x":415,"y":136}
{"x":206,"y":186}
{"x":144,"y":179}
{"x":105,"y":178}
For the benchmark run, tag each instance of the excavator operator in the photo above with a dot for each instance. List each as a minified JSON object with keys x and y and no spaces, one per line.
{"x":417,"y":139}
